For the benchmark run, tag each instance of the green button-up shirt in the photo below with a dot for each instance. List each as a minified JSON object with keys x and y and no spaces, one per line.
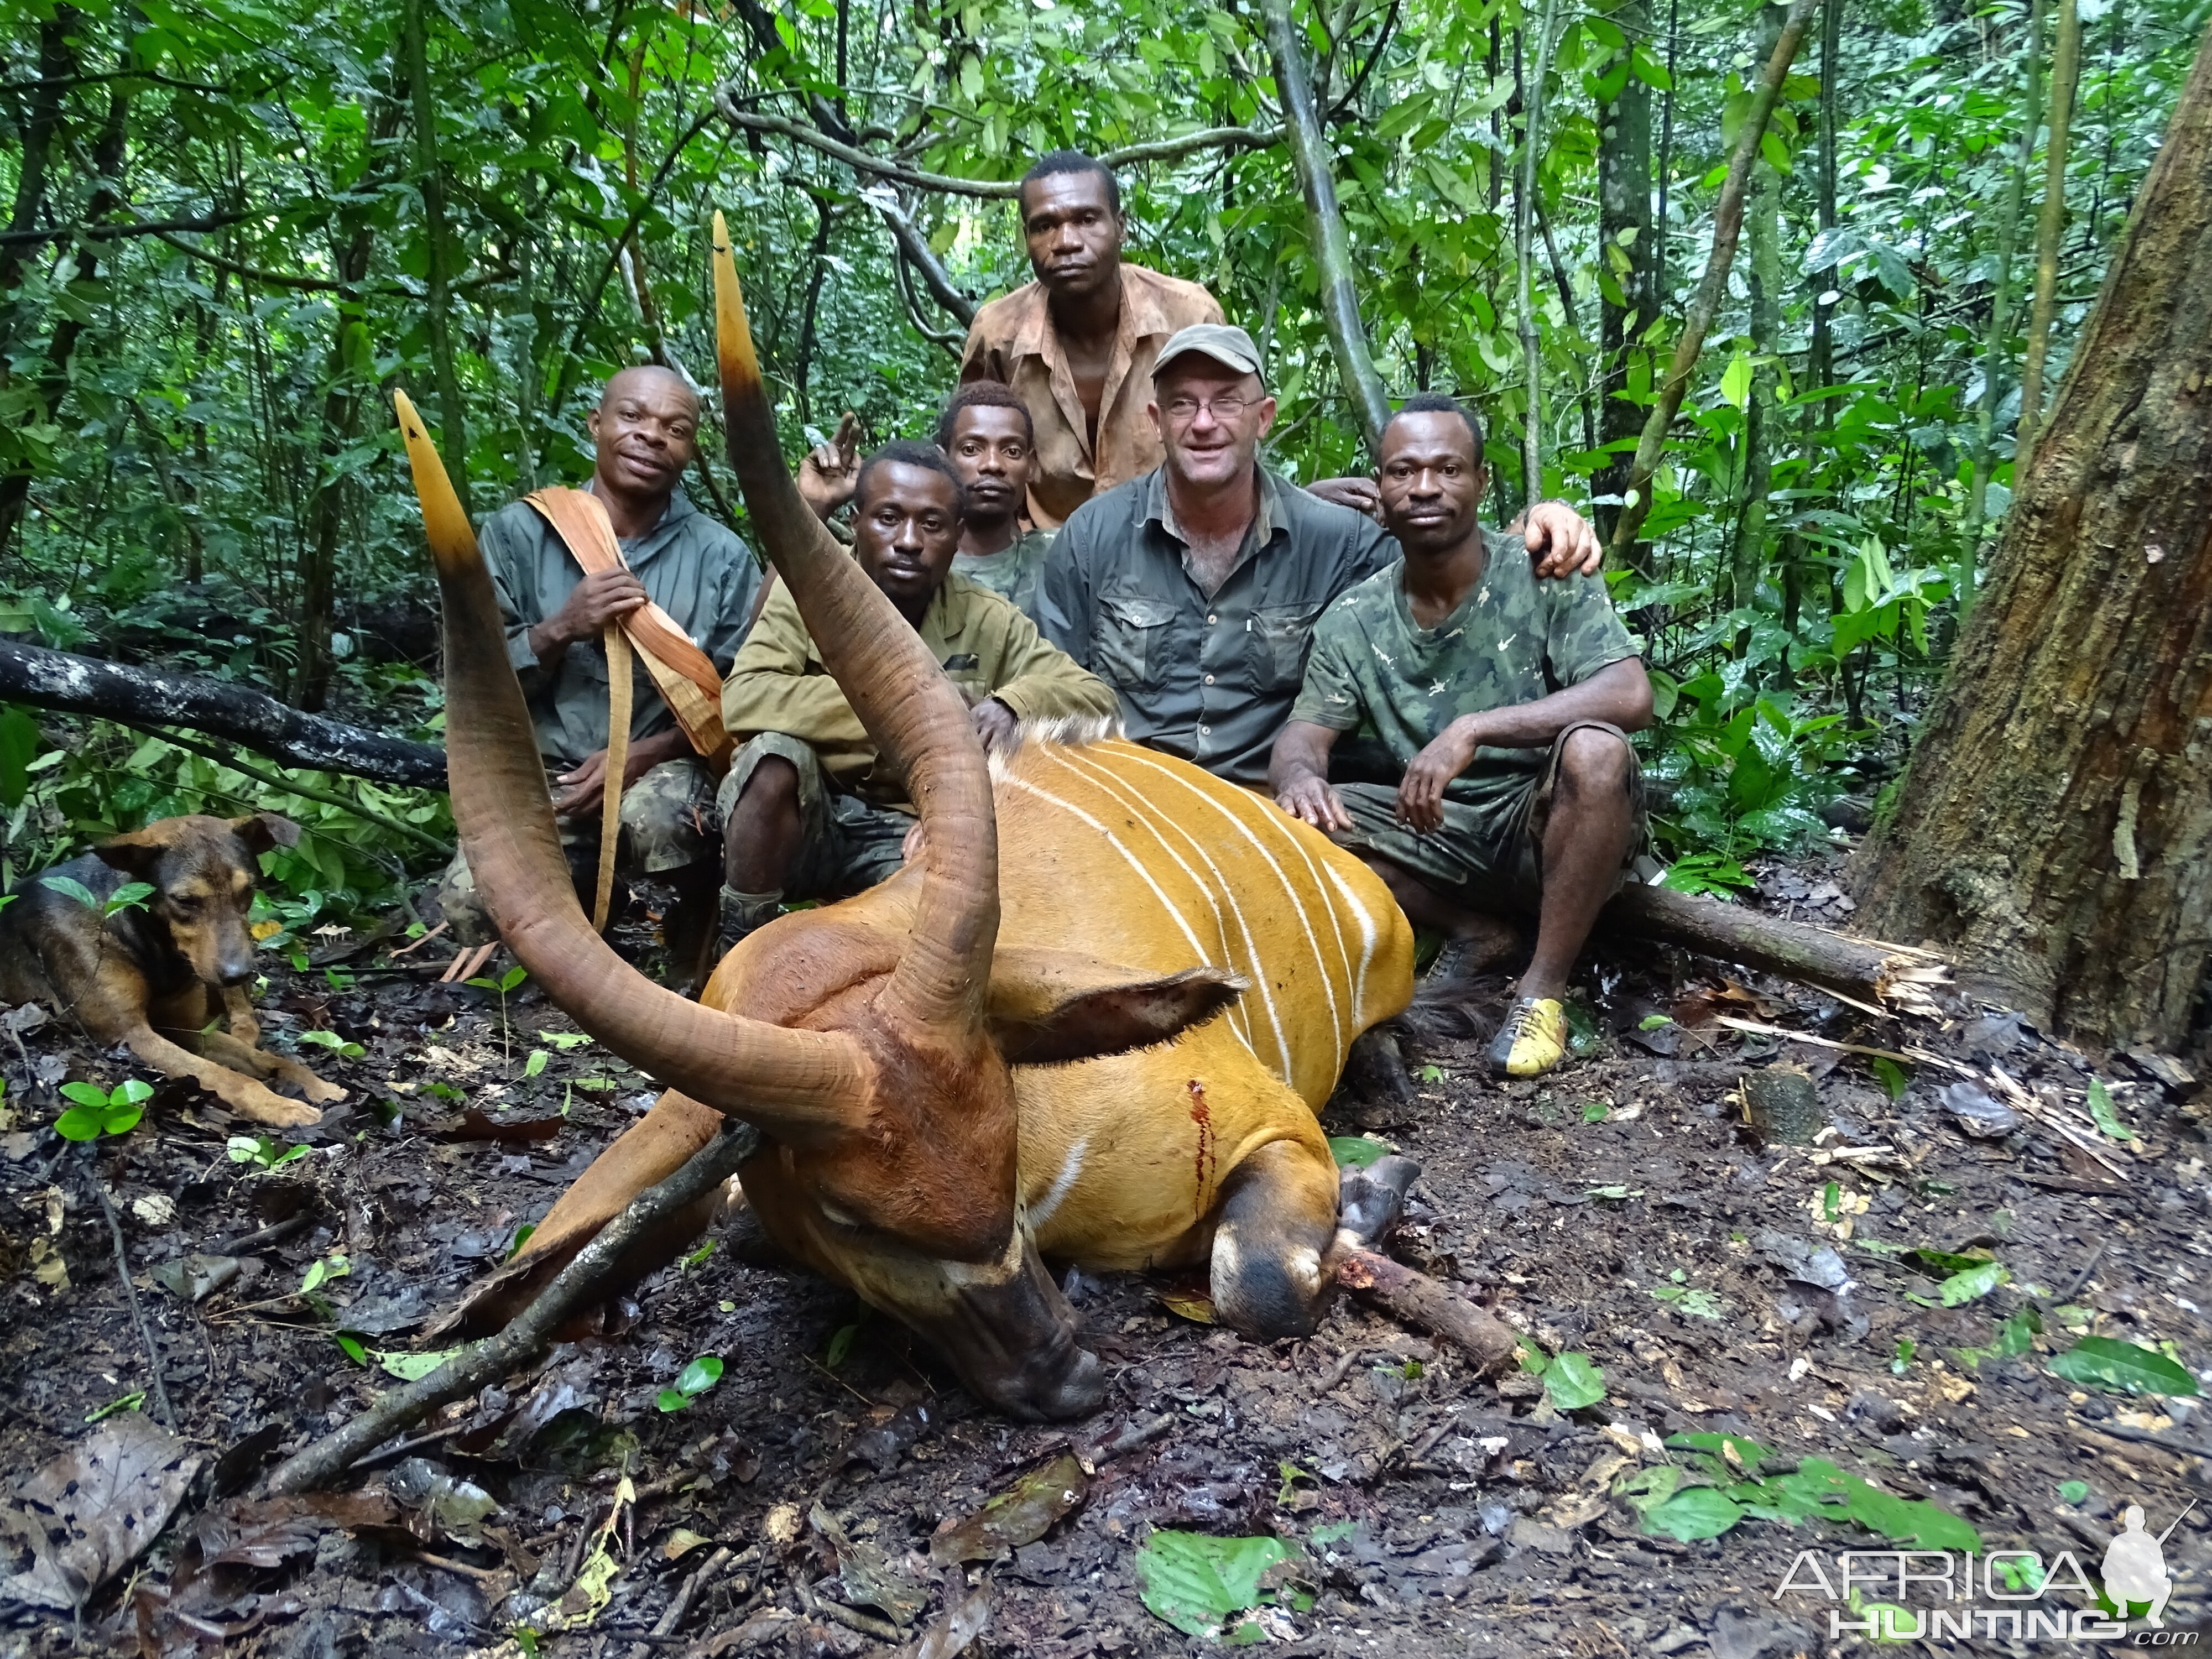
{"x":692,"y":567}
{"x":1209,"y":679}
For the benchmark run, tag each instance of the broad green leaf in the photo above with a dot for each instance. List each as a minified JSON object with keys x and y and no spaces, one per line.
{"x":81,"y":1123}
{"x":1198,"y":1583}
{"x":2117,"y":1367}
{"x":86,"y":1094}
{"x":536,"y":1063}
{"x":1694,"y":1513}
{"x":1574,"y":1382}
{"x":414,"y":1367}
{"x":1356,"y":1151}
{"x":1973,"y":1284}
{"x":71,"y":888}
{"x":2100,"y":1107}
{"x":1735,"y":381}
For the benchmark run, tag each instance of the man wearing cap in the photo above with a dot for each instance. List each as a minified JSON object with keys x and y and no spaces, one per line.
{"x":1192,"y":589}
{"x":1078,"y":344}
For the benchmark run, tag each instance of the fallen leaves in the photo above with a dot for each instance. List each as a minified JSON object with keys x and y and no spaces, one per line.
{"x":1021,"y":1514}
{"x":2117,"y":1367}
{"x":83,"y":1516}
{"x":1201,"y":1584}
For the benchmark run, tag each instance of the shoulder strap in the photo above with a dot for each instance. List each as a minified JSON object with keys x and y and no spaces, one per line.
{"x":681,"y":671}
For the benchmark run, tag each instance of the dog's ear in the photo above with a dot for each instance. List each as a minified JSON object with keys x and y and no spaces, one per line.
{"x":135,"y":855}
{"x":262,"y":830}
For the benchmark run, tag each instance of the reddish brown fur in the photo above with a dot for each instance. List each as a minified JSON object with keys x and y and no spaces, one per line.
{"x":153,"y":977}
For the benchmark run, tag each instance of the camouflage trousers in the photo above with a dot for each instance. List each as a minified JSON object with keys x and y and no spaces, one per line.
{"x":847,"y":845}
{"x":668,"y":823}
{"x":1490,"y":852}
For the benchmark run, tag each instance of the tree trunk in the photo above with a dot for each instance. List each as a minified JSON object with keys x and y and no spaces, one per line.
{"x":2054,"y":828}
{"x":143,"y":696}
{"x":2051,"y":229}
{"x":2000,"y":336}
{"x":1524,"y":255}
{"x":1728,"y":225}
{"x":1627,"y":294}
{"x":1325,"y":231}
{"x":453,"y":413}
{"x":1763,"y":229}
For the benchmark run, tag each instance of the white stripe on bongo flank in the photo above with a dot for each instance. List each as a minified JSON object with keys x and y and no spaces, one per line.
{"x":1062,"y":1184}
{"x":1306,"y":919}
{"x":1102,"y":779}
{"x":1366,"y":941}
{"x":1197,"y":951}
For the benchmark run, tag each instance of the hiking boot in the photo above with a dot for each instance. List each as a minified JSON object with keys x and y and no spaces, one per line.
{"x":1533,"y":1040}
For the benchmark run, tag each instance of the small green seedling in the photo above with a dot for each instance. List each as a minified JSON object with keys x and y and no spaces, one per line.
{"x":505,"y":982}
{"x":322,"y":1270}
{"x":100,"y":1111}
{"x":564,"y":1041}
{"x":129,"y":1402}
{"x":132,"y":895}
{"x":536,"y":1063}
{"x":840,"y":1345}
{"x":694,"y":1380}
{"x":2100,"y":1108}
{"x":334,"y":1042}
{"x":261,"y":1152}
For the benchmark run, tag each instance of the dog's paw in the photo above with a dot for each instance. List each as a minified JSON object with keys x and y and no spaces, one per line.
{"x":322,"y":1093}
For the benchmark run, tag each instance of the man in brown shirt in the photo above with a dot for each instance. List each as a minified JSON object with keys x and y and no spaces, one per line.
{"x":1078,"y":344}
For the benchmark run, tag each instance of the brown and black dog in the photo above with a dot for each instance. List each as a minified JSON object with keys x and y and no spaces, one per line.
{"x":156,"y":977}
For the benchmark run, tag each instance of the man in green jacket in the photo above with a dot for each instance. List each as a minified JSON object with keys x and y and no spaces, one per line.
{"x":808,"y":810}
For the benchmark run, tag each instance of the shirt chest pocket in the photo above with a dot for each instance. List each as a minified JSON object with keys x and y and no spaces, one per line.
{"x":1132,"y":639}
{"x":1281,"y":633}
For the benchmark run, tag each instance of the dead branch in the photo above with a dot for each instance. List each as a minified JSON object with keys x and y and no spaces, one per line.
{"x":584,"y":1281}
{"x":142,"y":697}
{"x":1420,"y":1300}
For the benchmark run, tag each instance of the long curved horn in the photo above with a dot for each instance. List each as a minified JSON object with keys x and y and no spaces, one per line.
{"x":791,"y":1084}
{"x":896,"y":687}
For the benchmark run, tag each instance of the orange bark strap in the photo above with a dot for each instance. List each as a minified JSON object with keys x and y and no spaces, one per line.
{"x":681,"y":671}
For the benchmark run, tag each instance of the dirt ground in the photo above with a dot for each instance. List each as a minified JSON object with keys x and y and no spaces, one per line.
{"x":1620,"y":1209}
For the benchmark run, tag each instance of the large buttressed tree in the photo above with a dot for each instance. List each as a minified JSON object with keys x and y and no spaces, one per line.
{"x":2055,"y":828}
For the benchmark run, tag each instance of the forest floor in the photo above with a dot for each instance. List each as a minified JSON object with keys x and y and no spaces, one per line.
{"x":1617,"y":1210}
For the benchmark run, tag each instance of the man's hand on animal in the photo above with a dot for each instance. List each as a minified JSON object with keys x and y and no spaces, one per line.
{"x":827,"y":475}
{"x":1309,"y":799}
{"x":604,"y":596}
{"x":995,"y":724}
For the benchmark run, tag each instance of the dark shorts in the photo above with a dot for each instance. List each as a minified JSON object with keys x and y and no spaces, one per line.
{"x":1490,"y":850}
{"x":847,"y":845}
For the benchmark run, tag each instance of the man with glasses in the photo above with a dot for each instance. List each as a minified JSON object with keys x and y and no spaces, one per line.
{"x":1192,"y":589}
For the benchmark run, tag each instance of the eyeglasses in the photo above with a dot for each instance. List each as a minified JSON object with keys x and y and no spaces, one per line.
{"x":1228,"y":408}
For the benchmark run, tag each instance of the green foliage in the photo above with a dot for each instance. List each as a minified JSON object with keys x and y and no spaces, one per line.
{"x":1356,"y":1151}
{"x":262,"y":1153}
{"x":100,"y":1111}
{"x":2116,"y":1367}
{"x":1718,"y":1485}
{"x":200,"y":418}
{"x":1199,"y":1585}
{"x":695,"y":1379}
{"x":1573,"y":1380}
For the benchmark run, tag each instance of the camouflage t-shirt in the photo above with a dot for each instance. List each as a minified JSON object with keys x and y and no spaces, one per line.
{"x":1011,"y":574}
{"x":1376,"y":674}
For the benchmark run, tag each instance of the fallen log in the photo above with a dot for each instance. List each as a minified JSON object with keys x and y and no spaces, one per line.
{"x":587,"y":1279}
{"x":142,"y":697}
{"x":1883,"y":977}
{"x":1420,"y":1300}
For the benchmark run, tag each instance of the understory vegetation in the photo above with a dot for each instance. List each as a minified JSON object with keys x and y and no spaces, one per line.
{"x":239,"y":225}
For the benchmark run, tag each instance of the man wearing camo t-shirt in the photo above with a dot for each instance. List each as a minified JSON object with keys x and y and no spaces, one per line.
{"x":1491,"y":709}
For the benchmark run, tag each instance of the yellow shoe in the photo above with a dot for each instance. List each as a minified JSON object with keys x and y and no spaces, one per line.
{"x":1533,"y":1040}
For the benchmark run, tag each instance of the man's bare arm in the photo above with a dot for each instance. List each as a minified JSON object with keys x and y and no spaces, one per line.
{"x":1620,"y":694}
{"x":1297,"y":774}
